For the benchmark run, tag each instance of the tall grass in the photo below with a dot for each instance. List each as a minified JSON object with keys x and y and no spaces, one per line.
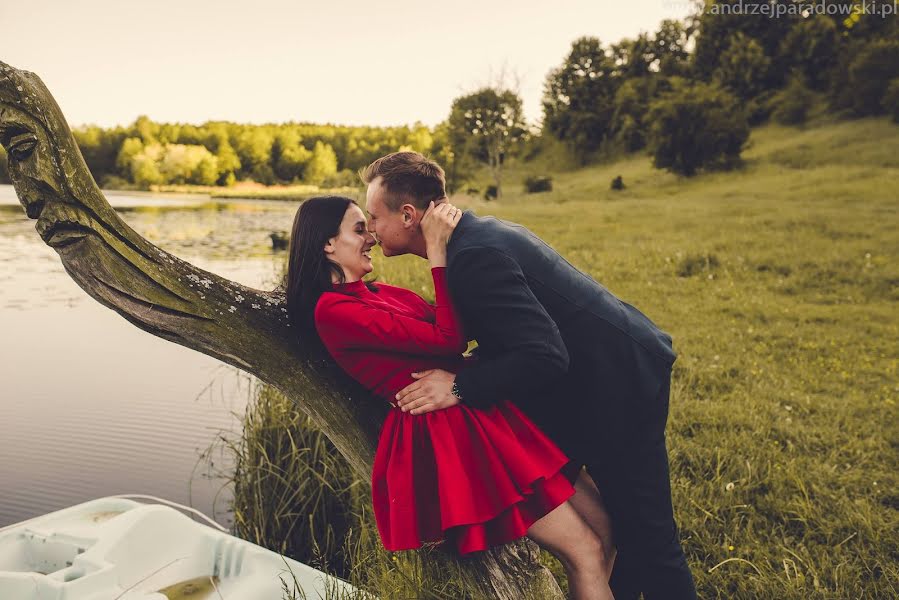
{"x":779,"y":283}
{"x":295,"y":494}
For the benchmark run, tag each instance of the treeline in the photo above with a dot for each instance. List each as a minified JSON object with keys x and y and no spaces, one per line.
{"x":690,"y":91}
{"x":687,"y":93}
{"x":219,"y":153}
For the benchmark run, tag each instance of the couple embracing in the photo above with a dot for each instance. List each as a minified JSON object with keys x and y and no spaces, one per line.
{"x":553,"y":428}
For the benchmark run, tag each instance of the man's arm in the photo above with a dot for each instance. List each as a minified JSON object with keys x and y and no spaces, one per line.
{"x":499,"y":309}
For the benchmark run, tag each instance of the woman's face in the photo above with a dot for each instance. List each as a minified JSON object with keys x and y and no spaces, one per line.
{"x":351,"y":247}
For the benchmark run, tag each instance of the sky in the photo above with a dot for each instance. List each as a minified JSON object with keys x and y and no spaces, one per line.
{"x":384,"y":62}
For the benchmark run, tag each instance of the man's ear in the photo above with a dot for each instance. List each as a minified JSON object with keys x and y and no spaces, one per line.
{"x":409,"y":215}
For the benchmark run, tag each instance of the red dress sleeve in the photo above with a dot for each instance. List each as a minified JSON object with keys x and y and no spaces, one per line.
{"x":346,"y":323}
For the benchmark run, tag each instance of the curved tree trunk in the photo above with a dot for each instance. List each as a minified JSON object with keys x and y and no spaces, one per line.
{"x":175,"y":300}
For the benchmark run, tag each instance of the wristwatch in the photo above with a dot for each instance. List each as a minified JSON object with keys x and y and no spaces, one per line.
{"x":455,"y":391}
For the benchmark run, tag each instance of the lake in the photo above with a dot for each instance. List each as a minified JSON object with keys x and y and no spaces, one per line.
{"x":90,"y":405}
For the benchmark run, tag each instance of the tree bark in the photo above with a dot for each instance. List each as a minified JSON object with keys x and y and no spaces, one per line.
{"x":174,"y":300}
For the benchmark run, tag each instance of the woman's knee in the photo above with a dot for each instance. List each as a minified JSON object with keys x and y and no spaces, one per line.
{"x":583,"y":553}
{"x":566,"y":535}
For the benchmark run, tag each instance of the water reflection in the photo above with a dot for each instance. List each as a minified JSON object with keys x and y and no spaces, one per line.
{"x":92,"y":406}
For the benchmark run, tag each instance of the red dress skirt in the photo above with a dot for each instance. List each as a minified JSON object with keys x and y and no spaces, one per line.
{"x":477,"y":478}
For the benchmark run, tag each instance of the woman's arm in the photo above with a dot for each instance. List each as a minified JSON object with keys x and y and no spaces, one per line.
{"x":346,"y":322}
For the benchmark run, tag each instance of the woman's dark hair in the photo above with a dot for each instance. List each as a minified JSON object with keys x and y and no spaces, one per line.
{"x":309,"y":272}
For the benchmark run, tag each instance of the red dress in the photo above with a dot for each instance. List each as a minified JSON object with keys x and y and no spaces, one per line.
{"x":476,"y":478}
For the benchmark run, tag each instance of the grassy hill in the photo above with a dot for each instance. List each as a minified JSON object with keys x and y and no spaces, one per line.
{"x":779,"y":283}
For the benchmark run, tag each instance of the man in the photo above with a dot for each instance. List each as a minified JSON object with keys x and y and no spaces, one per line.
{"x":591,"y":370}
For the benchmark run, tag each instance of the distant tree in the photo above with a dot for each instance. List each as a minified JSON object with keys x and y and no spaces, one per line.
{"x":579,"y":97}
{"x":812,"y":46}
{"x":181,"y":163}
{"x":743,"y":67}
{"x":321,"y":165}
{"x":253,"y":145}
{"x":130,"y":148}
{"x":631,"y":104}
{"x":634,"y":58}
{"x":721,"y":20}
{"x":870,"y":74}
{"x":144,"y":165}
{"x":228,"y":161}
{"x":289,"y":156}
{"x":670,"y":48}
{"x":419,"y":139}
{"x":696,"y":126}
{"x":157,"y":163}
{"x":145,"y":129}
{"x":100,"y":148}
{"x":488,"y":125}
{"x":457,"y":166}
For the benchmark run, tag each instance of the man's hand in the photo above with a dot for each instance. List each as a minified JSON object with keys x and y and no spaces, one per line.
{"x":432,"y":391}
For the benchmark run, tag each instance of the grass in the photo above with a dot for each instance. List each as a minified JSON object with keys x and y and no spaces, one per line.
{"x":779,"y":283}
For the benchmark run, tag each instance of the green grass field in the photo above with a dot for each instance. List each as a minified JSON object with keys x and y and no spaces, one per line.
{"x":779,"y":283}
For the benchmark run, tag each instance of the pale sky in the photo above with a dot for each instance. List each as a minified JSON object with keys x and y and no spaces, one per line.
{"x":373,"y":62}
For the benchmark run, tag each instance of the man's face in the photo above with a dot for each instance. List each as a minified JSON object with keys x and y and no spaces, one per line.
{"x":394,"y":230}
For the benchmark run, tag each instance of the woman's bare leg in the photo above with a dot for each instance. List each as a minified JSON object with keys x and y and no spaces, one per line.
{"x":588,"y":503}
{"x":570,"y":539}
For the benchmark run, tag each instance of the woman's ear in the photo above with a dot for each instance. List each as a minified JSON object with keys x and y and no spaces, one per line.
{"x":329,"y":247}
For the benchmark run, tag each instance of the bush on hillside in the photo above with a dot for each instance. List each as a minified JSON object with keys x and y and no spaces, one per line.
{"x":870,"y":74}
{"x":758,"y":109}
{"x":538,"y":183}
{"x":791,"y":105}
{"x":696,"y":126}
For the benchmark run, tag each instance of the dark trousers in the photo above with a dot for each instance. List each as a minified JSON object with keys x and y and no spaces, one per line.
{"x":631,"y":472}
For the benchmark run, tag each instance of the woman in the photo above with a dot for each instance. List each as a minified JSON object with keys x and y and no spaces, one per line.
{"x":474,"y":478}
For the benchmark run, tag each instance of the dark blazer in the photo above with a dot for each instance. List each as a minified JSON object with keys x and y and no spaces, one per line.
{"x":547,"y":333}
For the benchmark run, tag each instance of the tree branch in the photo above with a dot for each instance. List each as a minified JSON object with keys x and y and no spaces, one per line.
{"x":173,"y":299}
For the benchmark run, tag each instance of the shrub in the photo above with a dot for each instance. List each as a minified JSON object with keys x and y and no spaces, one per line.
{"x":791,"y":105}
{"x":758,"y":109}
{"x":538,"y":183}
{"x":343,"y":178}
{"x":694,"y":264}
{"x":870,"y":74}
{"x":696,"y":126}
{"x":891,"y":100}
{"x":617,"y":183}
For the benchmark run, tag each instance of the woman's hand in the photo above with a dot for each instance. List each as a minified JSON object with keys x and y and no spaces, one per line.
{"x":437,"y":226}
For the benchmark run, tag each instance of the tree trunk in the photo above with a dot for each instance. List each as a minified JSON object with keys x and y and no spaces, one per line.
{"x":175,"y":300}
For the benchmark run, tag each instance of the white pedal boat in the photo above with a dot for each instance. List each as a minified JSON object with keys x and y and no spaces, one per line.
{"x":115,"y":548}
